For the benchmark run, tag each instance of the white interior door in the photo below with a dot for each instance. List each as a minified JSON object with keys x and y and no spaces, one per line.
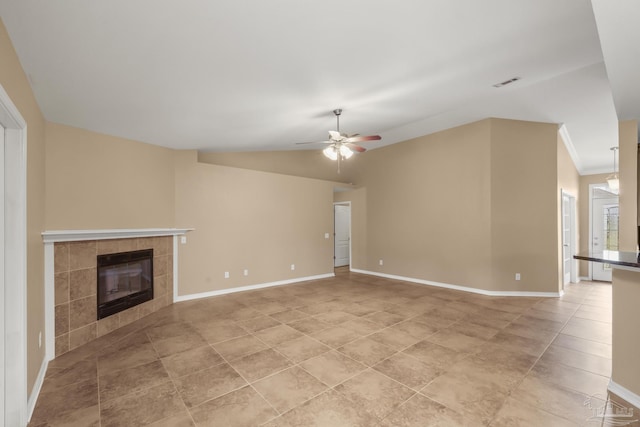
{"x":567,"y":256}
{"x":342,"y":235}
{"x":604,"y":229}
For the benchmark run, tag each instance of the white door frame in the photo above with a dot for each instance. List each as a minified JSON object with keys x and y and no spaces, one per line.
{"x":573,"y":238}
{"x":590,"y":243}
{"x":334,"y":229}
{"x":591,"y":187}
{"x":14,"y":282}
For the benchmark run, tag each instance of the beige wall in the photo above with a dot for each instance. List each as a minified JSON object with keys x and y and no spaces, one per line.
{"x":470,"y":206}
{"x":428,"y":207}
{"x":307,"y":163}
{"x":569,"y":182}
{"x":524,"y":206}
{"x":96,"y":181}
{"x":14,"y":82}
{"x":626,"y":284}
{"x":626,"y":318}
{"x":253,"y":220}
{"x":358,"y":199}
{"x":628,"y":134}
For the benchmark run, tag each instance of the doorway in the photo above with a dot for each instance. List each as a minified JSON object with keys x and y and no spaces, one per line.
{"x":342,"y":234}
{"x":604,"y":228}
{"x":13,"y":285}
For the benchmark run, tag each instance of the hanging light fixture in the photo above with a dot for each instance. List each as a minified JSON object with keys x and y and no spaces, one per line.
{"x":331,"y":152}
{"x":345,"y":151}
{"x":613,"y":180}
{"x":335,"y":150}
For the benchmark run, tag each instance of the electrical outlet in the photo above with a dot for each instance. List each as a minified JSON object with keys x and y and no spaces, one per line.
{"x":246,"y":272}
{"x":326,"y":235}
{"x":517,"y":276}
{"x":226,"y":274}
{"x":381,"y":262}
{"x":293,"y":267}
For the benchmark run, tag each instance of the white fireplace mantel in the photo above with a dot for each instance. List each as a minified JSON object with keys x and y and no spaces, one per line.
{"x":54,"y":236}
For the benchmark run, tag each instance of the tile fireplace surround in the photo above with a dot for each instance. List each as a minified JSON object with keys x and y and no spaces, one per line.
{"x":71,"y":281}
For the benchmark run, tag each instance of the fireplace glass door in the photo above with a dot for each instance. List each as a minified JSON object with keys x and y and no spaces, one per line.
{"x":124,"y":280}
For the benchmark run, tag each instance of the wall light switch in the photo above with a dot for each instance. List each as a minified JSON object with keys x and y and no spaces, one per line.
{"x":381,"y":262}
{"x":183,"y":239}
{"x":326,"y":235}
{"x":517,"y":276}
{"x":246,"y":272}
{"x":293,"y":267}
{"x":226,"y":274}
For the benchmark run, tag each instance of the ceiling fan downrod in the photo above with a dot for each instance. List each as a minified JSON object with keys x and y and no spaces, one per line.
{"x":337,"y":112}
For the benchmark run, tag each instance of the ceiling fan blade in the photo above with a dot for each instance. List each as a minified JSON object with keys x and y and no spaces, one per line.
{"x":355,"y":147}
{"x":314,"y":142}
{"x":363,"y":138}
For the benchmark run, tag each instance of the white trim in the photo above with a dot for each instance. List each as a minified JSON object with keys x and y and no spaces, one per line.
{"x":590,"y":243}
{"x":583,"y":278}
{"x":596,"y":170}
{"x":3,"y":249}
{"x":250,"y":287}
{"x":14,"y":281}
{"x":568,"y":143}
{"x":462,"y":288}
{"x":37,"y":386}
{"x":49,"y":301}
{"x":130,"y":233}
{"x":624,"y":393}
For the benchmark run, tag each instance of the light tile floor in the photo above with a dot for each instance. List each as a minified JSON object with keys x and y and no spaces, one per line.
{"x":353,"y":350}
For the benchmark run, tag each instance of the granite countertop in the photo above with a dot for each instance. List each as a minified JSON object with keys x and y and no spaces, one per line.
{"x":627,"y":259}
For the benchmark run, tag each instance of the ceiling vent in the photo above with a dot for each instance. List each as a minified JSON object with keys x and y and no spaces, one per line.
{"x":506,"y":82}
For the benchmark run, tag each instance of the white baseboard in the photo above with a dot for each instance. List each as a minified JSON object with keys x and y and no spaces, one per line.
{"x":250,"y":287}
{"x":581,"y":278}
{"x":462,"y":288}
{"x":624,"y":393}
{"x":35,"y":392}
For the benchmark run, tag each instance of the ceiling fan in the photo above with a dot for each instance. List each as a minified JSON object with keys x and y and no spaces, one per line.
{"x":341,"y":146}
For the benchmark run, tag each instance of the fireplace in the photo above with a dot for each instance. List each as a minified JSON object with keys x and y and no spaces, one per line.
{"x":125,"y":280}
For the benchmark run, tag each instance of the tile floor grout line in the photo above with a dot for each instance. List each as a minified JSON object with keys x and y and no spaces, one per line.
{"x":175,"y":387}
{"x":533,"y":366}
{"x":177,"y":317}
{"x":247,"y":384}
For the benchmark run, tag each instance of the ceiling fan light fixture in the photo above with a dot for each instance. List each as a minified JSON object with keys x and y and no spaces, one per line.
{"x":331,"y":152}
{"x":345,"y":151}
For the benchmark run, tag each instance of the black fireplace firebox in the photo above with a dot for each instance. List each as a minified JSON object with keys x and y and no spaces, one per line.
{"x":124,"y":280}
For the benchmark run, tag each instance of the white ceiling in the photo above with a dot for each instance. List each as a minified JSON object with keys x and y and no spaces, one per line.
{"x":237,"y":75}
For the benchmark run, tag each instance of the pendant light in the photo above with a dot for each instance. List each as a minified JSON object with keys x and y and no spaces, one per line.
{"x":613,"y":180}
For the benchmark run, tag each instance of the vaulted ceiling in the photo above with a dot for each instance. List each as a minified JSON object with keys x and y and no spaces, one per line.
{"x":230,"y":75}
